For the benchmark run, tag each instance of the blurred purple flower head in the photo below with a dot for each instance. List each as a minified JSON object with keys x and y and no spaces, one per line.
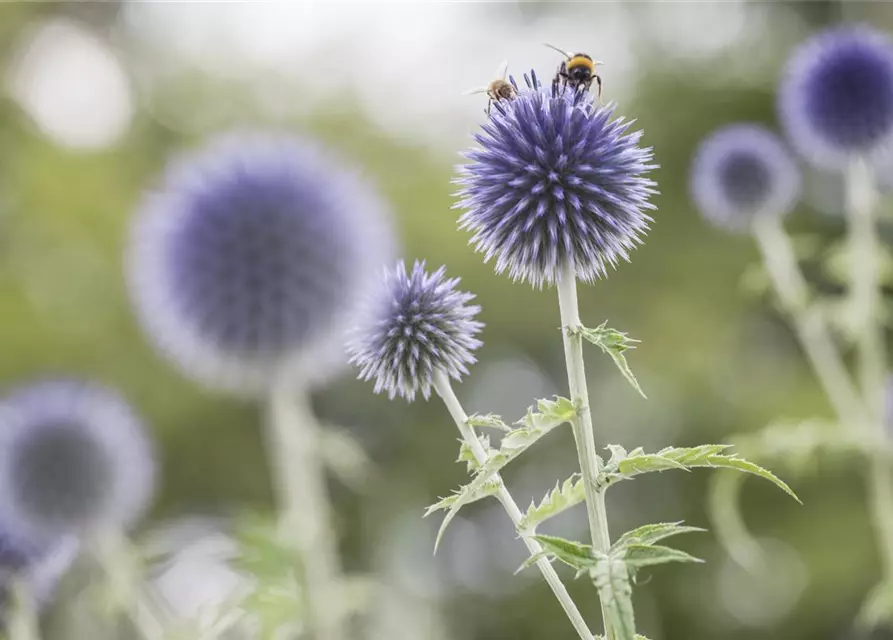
{"x":836,"y":98}
{"x":73,"y":458}
{"x":253,"y":257}
{"x":742,"y":171}
{"x":426,"y":325}
{"x":554,"y":180}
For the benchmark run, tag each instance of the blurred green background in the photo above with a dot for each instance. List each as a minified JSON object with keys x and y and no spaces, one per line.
{"x":98,"y":95}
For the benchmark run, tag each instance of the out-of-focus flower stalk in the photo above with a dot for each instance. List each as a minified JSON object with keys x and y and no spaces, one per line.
{"x":119,"y":564}
{"x":293,"y":433}
{"x":865,"y":256}
{"x":22,"y":622}
{"x":811,"y":327}
{"x":582,"y":423}
{"x":444,"y":389}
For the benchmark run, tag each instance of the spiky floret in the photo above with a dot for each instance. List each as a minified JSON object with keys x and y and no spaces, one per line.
{"x":254,"y":256}
{"x":742,"y":171}
{"x":555,"y":180}
{"x":836,"y":97}
{"x":425,"y":325}
{"x":73,"y":458}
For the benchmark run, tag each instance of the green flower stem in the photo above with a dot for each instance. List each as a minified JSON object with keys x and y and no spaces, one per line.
{"x":23,"y":623}
{"x":445,"y":390}
{"x":582,"y":424}
{"x":811,"y":328}
{"x":121,"y":566}
{"x":305,"y":514}
{"x":865,"y":256}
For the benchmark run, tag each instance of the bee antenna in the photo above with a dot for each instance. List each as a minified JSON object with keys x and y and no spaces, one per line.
{"x":475,"y":91}
{"x":561,"y":51}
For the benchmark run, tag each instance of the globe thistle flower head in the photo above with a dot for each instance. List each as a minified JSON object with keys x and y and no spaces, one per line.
{"x":425,"y":325}
{"x":555,"y":180}
{"x":742,"y":171}
{"x":255,"y":255}
{"x":836,"y":97}
{"x":73,"y":458}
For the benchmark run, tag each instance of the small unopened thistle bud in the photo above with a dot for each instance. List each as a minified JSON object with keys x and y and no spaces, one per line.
{"x":740,"y":172}
{"x":73,"y":459}
{"x":426,"y":325}
{"x":254,"y":256}
{"x":555,"y":180}
{"x":836,"y":98}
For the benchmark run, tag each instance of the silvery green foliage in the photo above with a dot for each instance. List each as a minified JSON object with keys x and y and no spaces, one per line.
{"x":555,"y":179}
{"x":425,"y":325}
{"x":742,"y":171}
{"x":73,"y":457}
{"x":253,"y":254}
{"x":836,"y":97}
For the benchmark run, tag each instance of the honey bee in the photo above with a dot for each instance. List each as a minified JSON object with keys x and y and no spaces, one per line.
{"x":498,"y":89}
{"x":577,"y":71}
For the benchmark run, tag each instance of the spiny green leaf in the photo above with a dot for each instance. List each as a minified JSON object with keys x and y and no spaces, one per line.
{"x":612,"y":579}
{"x":613,"y":343}
{"x":644,"y":555}
{"x":467,"y":456}
{"x":490,"y":420}
{"x":559,"y":500}
{"x":575,"y":554}
{"x":651,"y":533}
{"x":489,"y":489}
{"x":536,"y":424}
{"x":465,"y":495}
{"x":685,"y":458}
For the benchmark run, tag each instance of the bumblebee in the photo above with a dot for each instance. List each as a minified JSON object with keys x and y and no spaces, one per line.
{"x":577,"y":71}
{"x":498,"y":89}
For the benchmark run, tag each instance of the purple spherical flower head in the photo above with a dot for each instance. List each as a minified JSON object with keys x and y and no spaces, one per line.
{"x":73,"y":458}
{"x":253,"y":257}
{"x":555,"y":180}
{"x":425,"y":325}
{"x":836,"y":98}
{"x":740,"y":172}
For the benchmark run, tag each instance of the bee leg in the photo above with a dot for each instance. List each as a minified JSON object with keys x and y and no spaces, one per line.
{"x":598,"y":82}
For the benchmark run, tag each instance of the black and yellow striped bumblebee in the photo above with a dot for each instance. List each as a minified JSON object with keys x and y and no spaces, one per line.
{"x":498,"y":89}
{"x":577,"y":71}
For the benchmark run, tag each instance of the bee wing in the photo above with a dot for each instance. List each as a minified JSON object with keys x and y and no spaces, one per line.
{"x":566,"y":54}
{"x":502,"y":70}
{"x":475,"y":91}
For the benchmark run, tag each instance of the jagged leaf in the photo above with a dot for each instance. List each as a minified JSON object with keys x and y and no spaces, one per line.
{"x":557,"y":501}
{"x":878,"y":607}
{"x":612,"y":579}
{"x":614,"y":343}
{"x":708,"y":455}
{"x":575,"y":554}
{"x":467,"y":456}
{"x":645,"y":555}
{"x":489,"y":489}
{"x":533,"y":426}
{"x":651,"y":533}
{"x":490,"y":420}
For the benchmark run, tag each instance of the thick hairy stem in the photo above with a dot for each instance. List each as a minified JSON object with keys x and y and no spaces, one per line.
{"x":865,"y":257}
{"x":306,"y":518}
{"x":445,"y":391}
{"x":582,"y":424}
